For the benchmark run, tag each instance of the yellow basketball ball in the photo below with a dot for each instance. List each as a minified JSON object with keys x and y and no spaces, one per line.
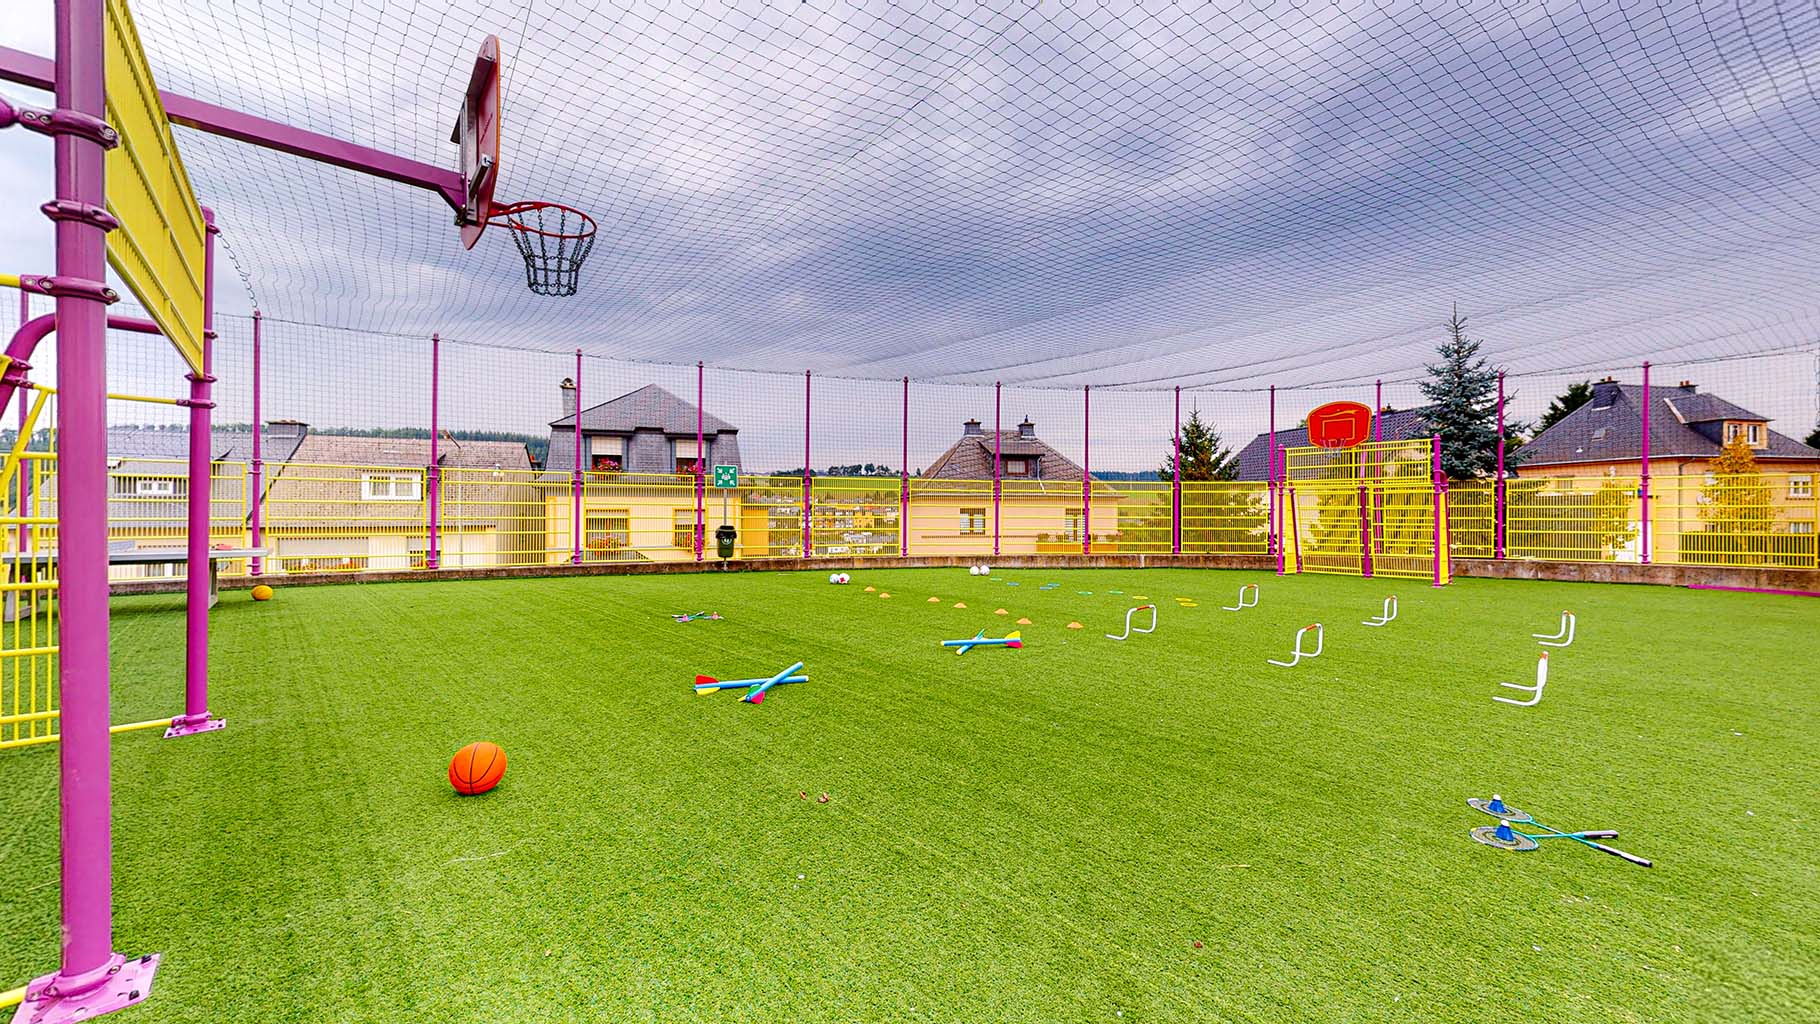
{"x":262,"y":593}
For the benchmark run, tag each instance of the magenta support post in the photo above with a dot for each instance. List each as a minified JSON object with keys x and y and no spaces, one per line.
{"x":997,"y":460}
{"x":1440,"y":502}
{"x":808,"y":487}
{"x":1273,"y":518}
{"x":903,"y":493}
{"x":27,"y":479}
{"x":93,"y":978}
{"x":257,"y":518}
{"x":1175,"y":532}
{"x":433,"y":478}
{"x":1497,"y":491}
{"x":1086,"y":470}
{"x":1643,"y":485}
{"x":701,"y":458}
{"x":195,"y":717}
{"x":575,"y":525}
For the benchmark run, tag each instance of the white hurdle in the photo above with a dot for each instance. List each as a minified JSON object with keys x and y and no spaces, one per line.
{"x":1565,"y":635}
{"x":1129,"y":630}
{"x":1386,"y":617}
{"x":1299,"y":654}
{"x":1253,"y":587}
{"x":1535,"y":691}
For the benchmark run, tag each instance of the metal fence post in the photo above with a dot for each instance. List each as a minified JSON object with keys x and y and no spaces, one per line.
{"x":1273,"y":516}
{"x":1643,"y":489}
{"x":195,"y":717}
{"x":575,"y":477}
{"x":1497,"y":490}
{"x":1440,"y":510}
{"x":433,"y":478}
{"x":903,"y":494}
{"x":997,"y":393}
{"x":1086,"y":469}
{"x":1175,"y":528}
{"x":808,"y":485}
{"x":86,"y":832}
{"x":257,"y":518}
{"x":701,"y":458}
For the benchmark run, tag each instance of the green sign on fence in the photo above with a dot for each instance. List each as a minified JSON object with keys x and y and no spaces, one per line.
{"x":726,"y":477}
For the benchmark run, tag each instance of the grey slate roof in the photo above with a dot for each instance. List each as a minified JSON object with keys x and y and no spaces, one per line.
{"x":1682,"y":423}
{"x":643,"y":417}
{"x":1402,"y":425}
{"x":970,"y":458}
{"x":648,"y":408}
{"x":225,"y":445}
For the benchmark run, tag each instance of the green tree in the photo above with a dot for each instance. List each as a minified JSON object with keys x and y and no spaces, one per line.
{"x":1204,"y":457}
{"x":1462,"y":394}
{"x":1812,"y":440}
{"x":1576,"y":395}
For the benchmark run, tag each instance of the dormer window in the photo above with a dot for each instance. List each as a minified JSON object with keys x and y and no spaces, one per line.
{"x":606,"y":454}
{"x":1017,"y":467}
{"x":687,"y":455}
{"x":1753,"y":433}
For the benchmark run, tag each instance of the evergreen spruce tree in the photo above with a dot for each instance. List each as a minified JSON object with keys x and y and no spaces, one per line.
{"x":1204,"y":457}
{"x":1462,"y":394}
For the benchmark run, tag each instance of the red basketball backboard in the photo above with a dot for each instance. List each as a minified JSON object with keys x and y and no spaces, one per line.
{"x":1339,"y":425}
{"x":477,"y":133}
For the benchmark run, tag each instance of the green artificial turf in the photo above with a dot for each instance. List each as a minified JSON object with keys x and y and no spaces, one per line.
{"x":1035,"y":835}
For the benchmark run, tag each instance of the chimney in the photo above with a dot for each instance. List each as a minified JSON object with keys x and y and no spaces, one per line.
{"x":971,"y":428}
{"x":568,"y":396}
{"x":1604,"y":393}
{"x":286,"y":428}
{"x":1688,"y":386}
{"x":1026,"y":429}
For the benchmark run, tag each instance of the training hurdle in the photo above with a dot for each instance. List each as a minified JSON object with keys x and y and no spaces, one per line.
{"x":1128,"y":630}
{"x":1561,"y":637}
{"x":1241,"y":606}
{"x":1535,"y":691}
{"x":1385,"y":617}
{"x":1298,"y":654}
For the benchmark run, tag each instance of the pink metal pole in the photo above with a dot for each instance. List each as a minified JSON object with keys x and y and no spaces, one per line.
{"x":195,"y":717}
{"x":808,"y":492}
{"x":1440,"y":499}
{"x":1497,"y":494}
{"x":576,"y":476}
{"x":1377,"y":467}
{"x":903,"y":494}
{"x":93,"y":978}
{"x":1643,"y":490}
{"x":701,"y":457}
{"x":1175,"y":529}
{"x":997,"y":393}
{"x":257,"y":566}
{"x":433,"y":557}
{"x":1086,"y":471}
{"x":1273,"y":529}
{"x":27,"y":477}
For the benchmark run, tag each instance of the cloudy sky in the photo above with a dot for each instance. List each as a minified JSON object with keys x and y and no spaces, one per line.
{"x":1049,"y":194}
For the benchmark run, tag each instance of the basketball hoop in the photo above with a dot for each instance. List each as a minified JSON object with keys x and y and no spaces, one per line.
{"x":554,"y":240}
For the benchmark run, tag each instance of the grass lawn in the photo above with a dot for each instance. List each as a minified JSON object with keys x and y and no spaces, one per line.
{"x":1039,"y":835}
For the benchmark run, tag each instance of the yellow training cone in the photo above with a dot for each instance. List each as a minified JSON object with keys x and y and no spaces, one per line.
{"x":870,"y":589}
{"x":935,"y":600}
{"x":1001,"y":611}
{"x":960,"y":604}
{"x":1023,"y":622}
{"x":1074,"y":625}
{"x":884,"y":595}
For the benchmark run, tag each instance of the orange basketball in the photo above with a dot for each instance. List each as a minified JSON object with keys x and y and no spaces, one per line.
{"x":477,"y":768}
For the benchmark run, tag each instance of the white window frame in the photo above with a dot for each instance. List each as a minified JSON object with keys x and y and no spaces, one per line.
{"x":370,"y":486}
{"x":154,"y":487}
{"x":1801,"y":485}
{"x":973,"y":525}
{"x":1755,"y":437}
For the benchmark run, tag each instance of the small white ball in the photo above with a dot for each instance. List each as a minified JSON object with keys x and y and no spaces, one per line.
{"x":834,"y":577}
{"x":973,"y":570}
{"x":985,"y":570}
{"x":844,"y":577}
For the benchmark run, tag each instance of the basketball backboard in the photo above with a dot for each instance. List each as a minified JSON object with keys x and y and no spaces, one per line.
{"x":1339,"y":425}
{"x":477,"y":133}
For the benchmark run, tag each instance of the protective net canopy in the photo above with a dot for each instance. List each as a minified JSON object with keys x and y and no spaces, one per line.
{"x":1138,"y":193}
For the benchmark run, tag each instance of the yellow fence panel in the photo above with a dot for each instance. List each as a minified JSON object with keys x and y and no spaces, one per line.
{"x":1744,"y":520}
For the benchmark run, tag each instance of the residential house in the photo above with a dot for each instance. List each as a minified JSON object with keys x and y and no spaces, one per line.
{"x":639,"y":455}
{"x":1600,"y":444}
{"x":1041,"y":509}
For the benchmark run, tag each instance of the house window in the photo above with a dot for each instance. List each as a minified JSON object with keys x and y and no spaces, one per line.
{"x":606,"y":454}
{"x":1800,"y":485}
{"x":1756,"y":435}
{"x":687,"y":456}
{"x":1731,"y":431}
{"x":1801,"y":526}
{"x":1017,"y":467}
{"x":606,"y":531}
{"x":1074,"y":523}
{"x":973,"y":521}
{"x":150,"y":487}
{"x":683,"y":533}
{"x":391,"y":487}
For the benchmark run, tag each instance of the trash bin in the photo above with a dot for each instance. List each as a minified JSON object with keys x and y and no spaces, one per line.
{"x":724,"y":535}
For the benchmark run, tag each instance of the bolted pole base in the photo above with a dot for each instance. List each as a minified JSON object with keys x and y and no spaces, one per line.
{"x":121,"y":983}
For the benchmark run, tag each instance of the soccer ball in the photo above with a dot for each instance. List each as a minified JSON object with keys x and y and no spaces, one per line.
{"x":973,"y":570}
{"x":985,"y":570}
{"x":834,"y":577}
{"x":843,"y":578}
